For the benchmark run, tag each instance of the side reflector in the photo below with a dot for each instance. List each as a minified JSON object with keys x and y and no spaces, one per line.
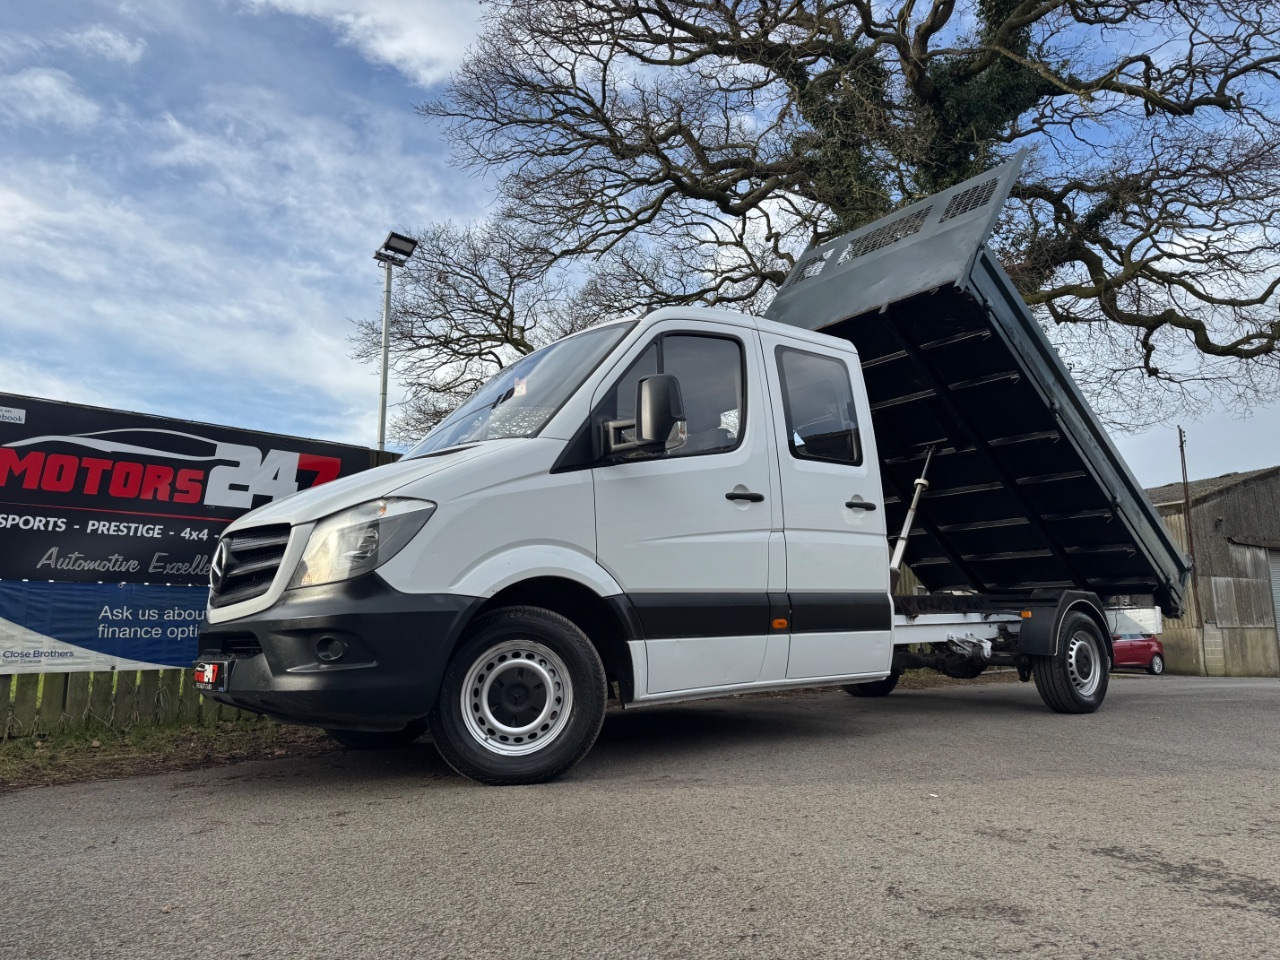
{"x":1026,"y":614}
{"x":780,"y":623}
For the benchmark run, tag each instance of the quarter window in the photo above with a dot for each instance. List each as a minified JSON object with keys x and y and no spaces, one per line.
{"x":817,"y":399}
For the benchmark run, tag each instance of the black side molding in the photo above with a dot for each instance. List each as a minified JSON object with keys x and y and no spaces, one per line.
{"x":840,"y":612}
{"x":668,"y":615}
{"x":665,"y":616}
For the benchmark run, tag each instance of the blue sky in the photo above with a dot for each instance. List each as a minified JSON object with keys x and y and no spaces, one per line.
{"x":190,"y":194}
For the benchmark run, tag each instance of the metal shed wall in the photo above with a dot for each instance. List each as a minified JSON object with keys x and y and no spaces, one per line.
{"x":1275,"y":585}
{"x":1237,"y":533}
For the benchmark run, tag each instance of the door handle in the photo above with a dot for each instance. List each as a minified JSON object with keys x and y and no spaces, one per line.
{"x":744,"y":495}
{"x":859,"y":505}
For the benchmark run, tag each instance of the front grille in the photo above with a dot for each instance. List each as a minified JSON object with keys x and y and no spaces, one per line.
{"x":241,"y":647}
{"x":249,"y":564}
{"x":230,"y":646}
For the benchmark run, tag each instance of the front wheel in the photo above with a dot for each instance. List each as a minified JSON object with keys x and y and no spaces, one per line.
{"x":1074,"y":680}
{"x":1156,"y":666}
{"x":379,"y":740}
{"x":522,"y":699}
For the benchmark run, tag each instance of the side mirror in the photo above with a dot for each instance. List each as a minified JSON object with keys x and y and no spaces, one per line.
{"x":659,"y":408}
{"x":659,"y":412}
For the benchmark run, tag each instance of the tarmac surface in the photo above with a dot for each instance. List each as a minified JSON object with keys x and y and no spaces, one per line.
{"x":957,"y":822}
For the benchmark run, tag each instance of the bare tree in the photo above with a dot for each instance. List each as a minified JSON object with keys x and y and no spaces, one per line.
{"x":469,"y":301}
{"x":676,"y":151}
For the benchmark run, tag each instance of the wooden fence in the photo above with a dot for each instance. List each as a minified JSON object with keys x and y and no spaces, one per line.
{"x":37,"y":704}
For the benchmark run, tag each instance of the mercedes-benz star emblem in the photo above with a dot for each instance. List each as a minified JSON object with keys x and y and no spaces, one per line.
{"x":219,"y":566}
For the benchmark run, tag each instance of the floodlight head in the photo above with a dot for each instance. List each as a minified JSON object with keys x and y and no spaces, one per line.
{"x":396,"y":249}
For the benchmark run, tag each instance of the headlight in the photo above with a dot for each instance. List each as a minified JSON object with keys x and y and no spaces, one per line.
{"x":356,"y":541}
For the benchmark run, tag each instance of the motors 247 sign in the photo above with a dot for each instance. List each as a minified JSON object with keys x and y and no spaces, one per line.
{"x":90,"y":495}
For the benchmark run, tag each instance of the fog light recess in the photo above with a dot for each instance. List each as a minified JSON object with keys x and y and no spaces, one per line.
{"x":330,"y":649}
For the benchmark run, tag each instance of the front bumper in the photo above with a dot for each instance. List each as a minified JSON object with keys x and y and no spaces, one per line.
{"x":397,"y":647}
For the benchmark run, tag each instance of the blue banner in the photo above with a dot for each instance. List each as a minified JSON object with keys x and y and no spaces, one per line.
{"x":71,"y":627}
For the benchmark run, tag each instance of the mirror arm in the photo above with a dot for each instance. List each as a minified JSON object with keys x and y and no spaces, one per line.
{"x":613,"y":443}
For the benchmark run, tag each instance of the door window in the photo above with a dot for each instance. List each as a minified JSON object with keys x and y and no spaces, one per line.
{"x":817,"y":399}
{"x":710,"y":371}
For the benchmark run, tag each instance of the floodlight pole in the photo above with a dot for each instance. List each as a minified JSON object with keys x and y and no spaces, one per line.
{"x":394,"y":252}
{"x":386,"y":341}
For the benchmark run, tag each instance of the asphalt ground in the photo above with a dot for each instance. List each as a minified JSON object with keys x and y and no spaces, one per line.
{"x":958,"y":822}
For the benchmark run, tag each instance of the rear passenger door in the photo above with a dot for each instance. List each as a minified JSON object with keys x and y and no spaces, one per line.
{"x":833,"y":511}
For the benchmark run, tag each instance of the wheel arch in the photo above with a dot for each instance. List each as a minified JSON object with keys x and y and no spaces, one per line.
{"x":512,"y":565}
{"x":608,"y":622}
{"x":1039,"y":633}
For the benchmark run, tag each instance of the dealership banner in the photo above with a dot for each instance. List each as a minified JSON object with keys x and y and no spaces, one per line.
{"x":72,"y":627}
{"x":101,"y":498}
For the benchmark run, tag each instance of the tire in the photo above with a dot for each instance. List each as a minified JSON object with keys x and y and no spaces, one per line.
{"x":875,"y":688}
{"x":1156,"y":666}
{"x":500,"y":723}
{"x":1074,"y":680}
{"x":381,"y":739}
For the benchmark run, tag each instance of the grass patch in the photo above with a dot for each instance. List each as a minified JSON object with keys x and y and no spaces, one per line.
{"x":111,"y":755}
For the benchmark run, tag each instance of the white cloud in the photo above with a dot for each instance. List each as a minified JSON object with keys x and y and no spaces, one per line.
{"x":193,"y":243}
{"x":39,"y":95}
{"x":220,"y":249}
{"x":101,"y":41}
{"x":113,"y":302}
{"x":424,"y":41}
{"x":35,"y":379}
{"x":17,"y":46}
{"x":313,"y":176}
{"x":17,"y":211}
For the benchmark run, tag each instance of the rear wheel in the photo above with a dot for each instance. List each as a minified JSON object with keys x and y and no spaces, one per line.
{"x":522,"y":699}
{"x":1074,"y":680}
{"x":379,"y":740}
{"x":875,"y":688}
{"x":1156,"y":666}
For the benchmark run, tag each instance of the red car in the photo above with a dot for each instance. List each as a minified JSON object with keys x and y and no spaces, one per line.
{"x":1139,"y":650}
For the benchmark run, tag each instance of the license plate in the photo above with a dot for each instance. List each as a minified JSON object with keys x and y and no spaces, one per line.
{"x":212,"y":675}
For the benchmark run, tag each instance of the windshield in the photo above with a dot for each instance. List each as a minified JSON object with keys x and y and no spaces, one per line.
{"x":520,"y":399}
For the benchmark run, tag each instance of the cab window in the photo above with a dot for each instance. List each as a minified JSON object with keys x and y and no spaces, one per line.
{"x":710,"y":371}
{"x":817,"y":400}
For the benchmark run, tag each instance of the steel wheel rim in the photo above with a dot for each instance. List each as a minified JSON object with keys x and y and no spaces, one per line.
{"x":517,"y":698}
{"x":1084,"y":663}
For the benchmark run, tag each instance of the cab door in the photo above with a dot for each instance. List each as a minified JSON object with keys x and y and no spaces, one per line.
{"x":832,"y":511}
{"x":686,"y":533}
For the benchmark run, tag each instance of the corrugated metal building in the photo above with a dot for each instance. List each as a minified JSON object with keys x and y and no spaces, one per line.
{"x":1235,"y":525}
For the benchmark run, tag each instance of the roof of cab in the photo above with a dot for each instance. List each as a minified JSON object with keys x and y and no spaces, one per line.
{"x":733,"y":317}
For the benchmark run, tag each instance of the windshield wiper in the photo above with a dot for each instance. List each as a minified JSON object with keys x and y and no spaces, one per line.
{"x":447,"y":450}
